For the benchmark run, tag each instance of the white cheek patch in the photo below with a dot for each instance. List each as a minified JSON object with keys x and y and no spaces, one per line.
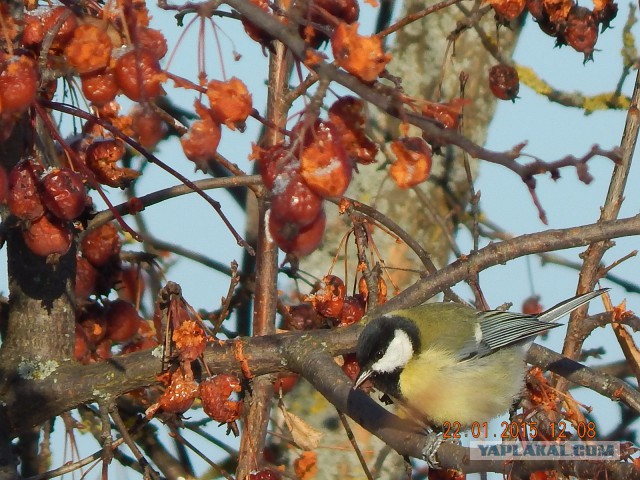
{"x":398,"y":353}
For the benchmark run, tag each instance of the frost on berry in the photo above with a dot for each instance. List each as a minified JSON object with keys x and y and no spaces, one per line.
{"x":504,"y":82}
{"x":215,"y":392}
{"x":359,"y":55}
{"x":329,"y":299}
{"x":18,"y":84}
{"x":230,"y":102}
{"x":63,"y":193}
{"x":413,"y":161}
{"x":190,"y":340}
{"x":102,"y":157}
{"x":46,"y":237}
{"x":348,"y":116}
{"x":139,"y":75}
{"x":89,"y":49}
{"x":324,"y":163}
{"x":273,"y":161}
{"x":178,"y":396}
{"x":293,"y":201}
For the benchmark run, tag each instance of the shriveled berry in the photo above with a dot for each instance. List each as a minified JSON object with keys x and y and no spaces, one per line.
{"x":413,"y":161}
{"x":101,"y":245}
{"x":152,"y":40}
{"x":359,"y":55}
{"x":328,"y":13}
{"x":348,"y":116}
{"x":303,"y":317}
{"x":214,"y":393}
{"x":581,"y":31}
{"x":148,"y":127}
{"x":504,"y":82}
{"x":201,"y":142}
{"x":86,"y":279}
{"x":139,"y":75}
{"x":179,"y":395}
{"x":230,"y":102}
{"x":351,"y":366}
{"x":46,"y":237}
{"x":273,"y":161}
{"x":63,"y":193}
{"x":89,"y":49}
{"x":91,"y":318}
{"x":61,"y":20}
{"x":256,"y":33}
{"x":353,"y":310}
{"x":324,"y":163}
{"x":329,"y":299}
{"x":24,"y":196}
{"x":102,"y":157}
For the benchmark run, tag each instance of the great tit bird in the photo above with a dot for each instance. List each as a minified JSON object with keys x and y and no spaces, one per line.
{"x":450,"y":363}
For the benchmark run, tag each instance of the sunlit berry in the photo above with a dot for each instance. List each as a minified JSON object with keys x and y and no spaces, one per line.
{"x":63,"y":193}
{"x":293,"y":201}
{"x":99,"y":87}
{"x":89,"y":49}
{"x":18,"y":84}
{"x":24,"y":194}
{"x":139,"y":75}
{"x":46,"y":237}
{"x":101,"y":245}
{"x":504,"y":82}
{"x":230,"y":102}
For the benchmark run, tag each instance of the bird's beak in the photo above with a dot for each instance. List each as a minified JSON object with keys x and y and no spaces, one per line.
{"x":364,"y":374}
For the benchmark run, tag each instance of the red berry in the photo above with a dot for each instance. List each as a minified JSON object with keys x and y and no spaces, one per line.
{"x":63,"y":193}
{"x":295,"y":240}
{"x":504,"y":82}
{"x":293,"y":201}
{"x":24,"y":198}
{"x":99,"y":88}
{"x":46,"y":237}
{"x":101,"y":245}
{"x":123,"y":321}
{"x":18,"y":84}
{"x":353,"y":310}
{"x":86,"y":279}
{"x":139,"y":75}
{"x":152,"y":40}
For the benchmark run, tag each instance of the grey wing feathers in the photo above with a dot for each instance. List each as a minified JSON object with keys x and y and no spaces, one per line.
{"x":501,"y":329}
{"x":561,"y":309}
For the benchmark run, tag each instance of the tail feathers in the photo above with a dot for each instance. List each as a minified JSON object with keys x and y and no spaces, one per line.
{"x":567,"y":306}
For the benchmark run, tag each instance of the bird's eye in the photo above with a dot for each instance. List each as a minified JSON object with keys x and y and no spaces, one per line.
{"x":379,"y":354}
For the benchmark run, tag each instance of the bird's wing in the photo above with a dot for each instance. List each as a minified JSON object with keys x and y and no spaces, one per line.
{"x":497,"y":329}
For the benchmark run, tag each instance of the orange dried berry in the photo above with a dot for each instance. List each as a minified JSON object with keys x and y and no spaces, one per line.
{"x":99,"y":87}
{"x":18,"y":84}
{"x":148,"y":127}
{"x":24,"y":197}
{"x":102,"y":157}
{"x":447,"y":113}
{"x":347,"y":114}
{"x":413,"y":161}
{"x":230,"y":102}
{"x":329,"y":299}
{"x":359,"y":55}
{"x":89,"y":49}
{"x":152,"y":40}
{"x":296,"y":240}
{"x":201,"y":143}
{"x":557,"y":10}
{"x":63,"y":193}
{"x":508,"y":10}
{"x":190,"y":340}
{"x":324,"y":163}
{"x":179,"y":395}
{"x":46,"y":237}
{"x":139,"y":75}
{"x":101,"y":245}
{"x":214,"y":393}
{"x":504,"y":82}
